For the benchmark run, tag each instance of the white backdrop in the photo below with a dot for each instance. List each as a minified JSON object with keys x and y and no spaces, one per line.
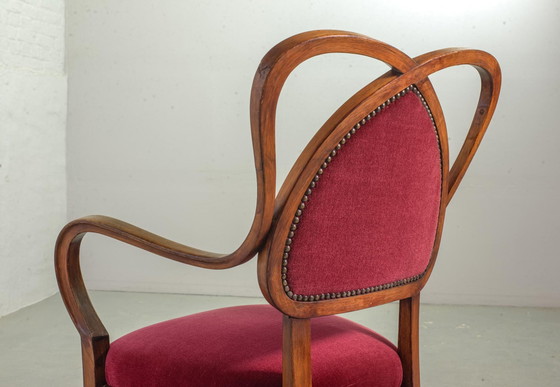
{"x":158,"y":132}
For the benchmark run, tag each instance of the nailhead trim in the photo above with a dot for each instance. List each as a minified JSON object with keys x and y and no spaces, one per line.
{"x":305,"y":199}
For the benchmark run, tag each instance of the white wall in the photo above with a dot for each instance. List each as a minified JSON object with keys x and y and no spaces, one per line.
{"x":158,"y":132}
{"x":32,"y":148}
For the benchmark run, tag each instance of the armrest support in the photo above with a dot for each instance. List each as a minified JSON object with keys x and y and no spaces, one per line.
{"x":69,"y":275}
{"x":94,"y":336}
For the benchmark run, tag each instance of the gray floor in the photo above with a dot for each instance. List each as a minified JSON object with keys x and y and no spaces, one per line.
{"x":460,"y":345}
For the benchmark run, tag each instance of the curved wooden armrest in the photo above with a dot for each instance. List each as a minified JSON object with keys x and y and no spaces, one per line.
{"x":69,"y":275}
{"x":95,"y":339}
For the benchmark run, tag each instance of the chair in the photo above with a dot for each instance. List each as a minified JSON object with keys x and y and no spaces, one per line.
{"x":357,"y":223}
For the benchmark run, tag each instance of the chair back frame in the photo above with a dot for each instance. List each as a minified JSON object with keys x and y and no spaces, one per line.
{"x":405,"y":71}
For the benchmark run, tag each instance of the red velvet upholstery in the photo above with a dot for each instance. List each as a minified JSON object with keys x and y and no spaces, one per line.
{"x":372,"y":217}
{"x":241,"y":346}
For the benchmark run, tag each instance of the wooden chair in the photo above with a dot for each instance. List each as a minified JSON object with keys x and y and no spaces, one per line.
{"x":357,"y":223}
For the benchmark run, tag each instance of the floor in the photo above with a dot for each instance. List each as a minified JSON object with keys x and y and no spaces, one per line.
{"x":460,"y":345}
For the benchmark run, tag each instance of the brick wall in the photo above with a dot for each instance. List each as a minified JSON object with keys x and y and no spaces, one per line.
{"x":32,"y":147}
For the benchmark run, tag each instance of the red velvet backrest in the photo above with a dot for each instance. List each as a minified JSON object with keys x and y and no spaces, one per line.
{"x":368,"y":221}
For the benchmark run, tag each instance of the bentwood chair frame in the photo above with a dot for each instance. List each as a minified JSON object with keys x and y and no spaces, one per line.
{"x":273,"y":215}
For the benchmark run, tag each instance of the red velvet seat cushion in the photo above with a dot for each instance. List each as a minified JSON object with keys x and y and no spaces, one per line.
{"x":241,"y":346}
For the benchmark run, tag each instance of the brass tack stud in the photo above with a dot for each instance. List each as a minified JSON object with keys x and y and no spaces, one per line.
{"x":353,"y":131}
{"x":290,"y":294}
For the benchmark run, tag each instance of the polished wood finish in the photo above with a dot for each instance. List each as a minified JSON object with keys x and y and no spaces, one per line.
{"x":409,"y":344}
{"x":273,"y":214}
{"x":296,"y":352}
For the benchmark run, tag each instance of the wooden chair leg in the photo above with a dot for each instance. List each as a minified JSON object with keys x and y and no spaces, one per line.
{"x":94,"y":352}
{"x":409,"y":345}
{"x":296,"y":352}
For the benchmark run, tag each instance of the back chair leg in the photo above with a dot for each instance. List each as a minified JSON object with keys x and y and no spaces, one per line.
{"x":409,"y":345}
{"x":296,"y":352}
